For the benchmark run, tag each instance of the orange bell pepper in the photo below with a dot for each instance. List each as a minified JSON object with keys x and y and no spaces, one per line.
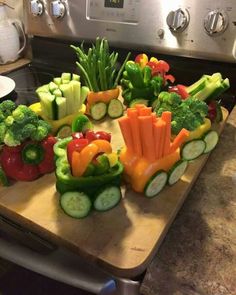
{"x":80,"y":161}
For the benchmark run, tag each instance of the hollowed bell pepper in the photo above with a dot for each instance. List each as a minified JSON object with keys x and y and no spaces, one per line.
{"x":88,"y":184}
{"x":29,"y":160}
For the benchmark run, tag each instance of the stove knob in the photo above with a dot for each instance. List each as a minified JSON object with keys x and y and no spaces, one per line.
{"x":36,"y":7}
{"x":178,"y":20}
{"x":58,"y":9}
{"x":215,"y":22}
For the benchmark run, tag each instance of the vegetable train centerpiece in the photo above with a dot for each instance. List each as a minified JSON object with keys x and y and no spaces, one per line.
{"x":61,"y":100}
{"x":149,"y":157}
{"x":88,"y":173}
{"x":98,"y":68}
{"x":27,"y":147}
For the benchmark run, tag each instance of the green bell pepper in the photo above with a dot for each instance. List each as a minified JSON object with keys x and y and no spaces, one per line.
{"x":65,"y":181}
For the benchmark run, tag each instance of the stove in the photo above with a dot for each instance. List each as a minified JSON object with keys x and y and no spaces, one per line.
{"x":194,"y":37}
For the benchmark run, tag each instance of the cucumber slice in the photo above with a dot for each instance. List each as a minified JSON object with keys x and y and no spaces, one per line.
{"x":57,"y":92}
{"x":52,"y":87}
{"x":98,"y":110}
{"x":64,"y":131}
{"x":66,"y":76}
{"x":84,"y":93}
{"x":107,"y":198}
{"x":211,"y":139}
{"x":67,"y":91}
{"x":57,"y":80}
{"x":48,"y":104}
{"x":155,"y":184}
{"x":75,"y":204}
{"x":77,"y":94}
{"x":75,"y":77}
{"x":60,"y":108}
{"x":115,"y":109}
{"x":44,"y":88}
{"x":138,"y":101}
{"x":177,"y":171}
{"x":193,"y":149}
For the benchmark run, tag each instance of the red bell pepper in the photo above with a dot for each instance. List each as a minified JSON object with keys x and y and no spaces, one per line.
{"x":28,"y":160}
{"x":180,"y":89}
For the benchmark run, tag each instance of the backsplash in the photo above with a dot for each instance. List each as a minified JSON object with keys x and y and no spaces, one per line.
{"x":18,"y":9}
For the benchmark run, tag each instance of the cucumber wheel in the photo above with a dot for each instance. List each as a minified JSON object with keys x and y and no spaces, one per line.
{"x":115,"y":109}
{"x":107,"y":198}
{"x":155,"y":184}
{"x":98,"y":110}
{"x":193,"y":149}
{"x":64,"y":131}
{"x":211,"y":139}
{"x":177,"y":171}
{"x":76,"y":204}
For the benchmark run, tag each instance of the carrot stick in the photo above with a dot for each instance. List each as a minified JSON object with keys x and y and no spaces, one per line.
{"x":179,"y":139}
{"x":133,"y":116}
{"x":166,"y":116}
{"x":139,"y":106}
{"x":159,"y":129}
{"x":124,"y":123}
{"x":147,"y":138}
{"x":162,"y":139}
{"x":145,"y":111}
{"x":154,"y":117}
{"x":131,"y":110}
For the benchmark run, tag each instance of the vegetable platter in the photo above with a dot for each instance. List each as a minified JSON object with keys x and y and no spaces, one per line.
{"x":107,"y":156}
{"x":111,"y":238}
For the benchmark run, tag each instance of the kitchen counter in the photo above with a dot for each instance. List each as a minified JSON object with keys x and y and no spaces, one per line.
{"x":198,"y":255}
{"x":13,"y":66}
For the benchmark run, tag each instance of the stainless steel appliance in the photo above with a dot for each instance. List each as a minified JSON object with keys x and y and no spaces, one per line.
{"x":195,"y":37}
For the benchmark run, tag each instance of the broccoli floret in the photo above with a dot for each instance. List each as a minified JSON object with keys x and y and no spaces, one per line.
{"x":27,"y":131}
{"x":9,"y":121}
{"x":3,"y":130}
{"x":42,"y":131}
{"x":23,"y":115}
{"x":197,"y":106}
{"x":189,"y":113}
{"x":170,"y":98}
{"x":10,"y":139}
{"x":6,"y":107}
{"x":2,"y":116}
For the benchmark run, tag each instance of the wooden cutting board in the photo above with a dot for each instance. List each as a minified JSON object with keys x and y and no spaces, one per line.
{"x":122,"y":240}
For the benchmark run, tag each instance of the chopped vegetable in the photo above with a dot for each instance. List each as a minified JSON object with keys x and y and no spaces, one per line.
{"x":98,"y":66}
{"x":189,"y":113}
{"x":98,"y":110}
{"x":193,"y":149}
{"x":155,"y":184}
{"x":211,"y":139}
{"x":20,"y":124}
{"x":28,"y":160}
{"x":75,"y":204}
{"x":107,"y":198}
{"x":177,"y":171}
{"x":115,"y":109}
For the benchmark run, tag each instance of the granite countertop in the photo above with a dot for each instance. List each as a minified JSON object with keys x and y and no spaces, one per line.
{"x":198,"y":255}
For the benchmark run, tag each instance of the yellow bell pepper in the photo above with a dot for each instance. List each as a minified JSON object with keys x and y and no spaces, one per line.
{"x":198,"y":133}
{"x":56,"y":124}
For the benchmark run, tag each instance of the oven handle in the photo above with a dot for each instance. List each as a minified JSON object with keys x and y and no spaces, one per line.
{"x":61,"y":266}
